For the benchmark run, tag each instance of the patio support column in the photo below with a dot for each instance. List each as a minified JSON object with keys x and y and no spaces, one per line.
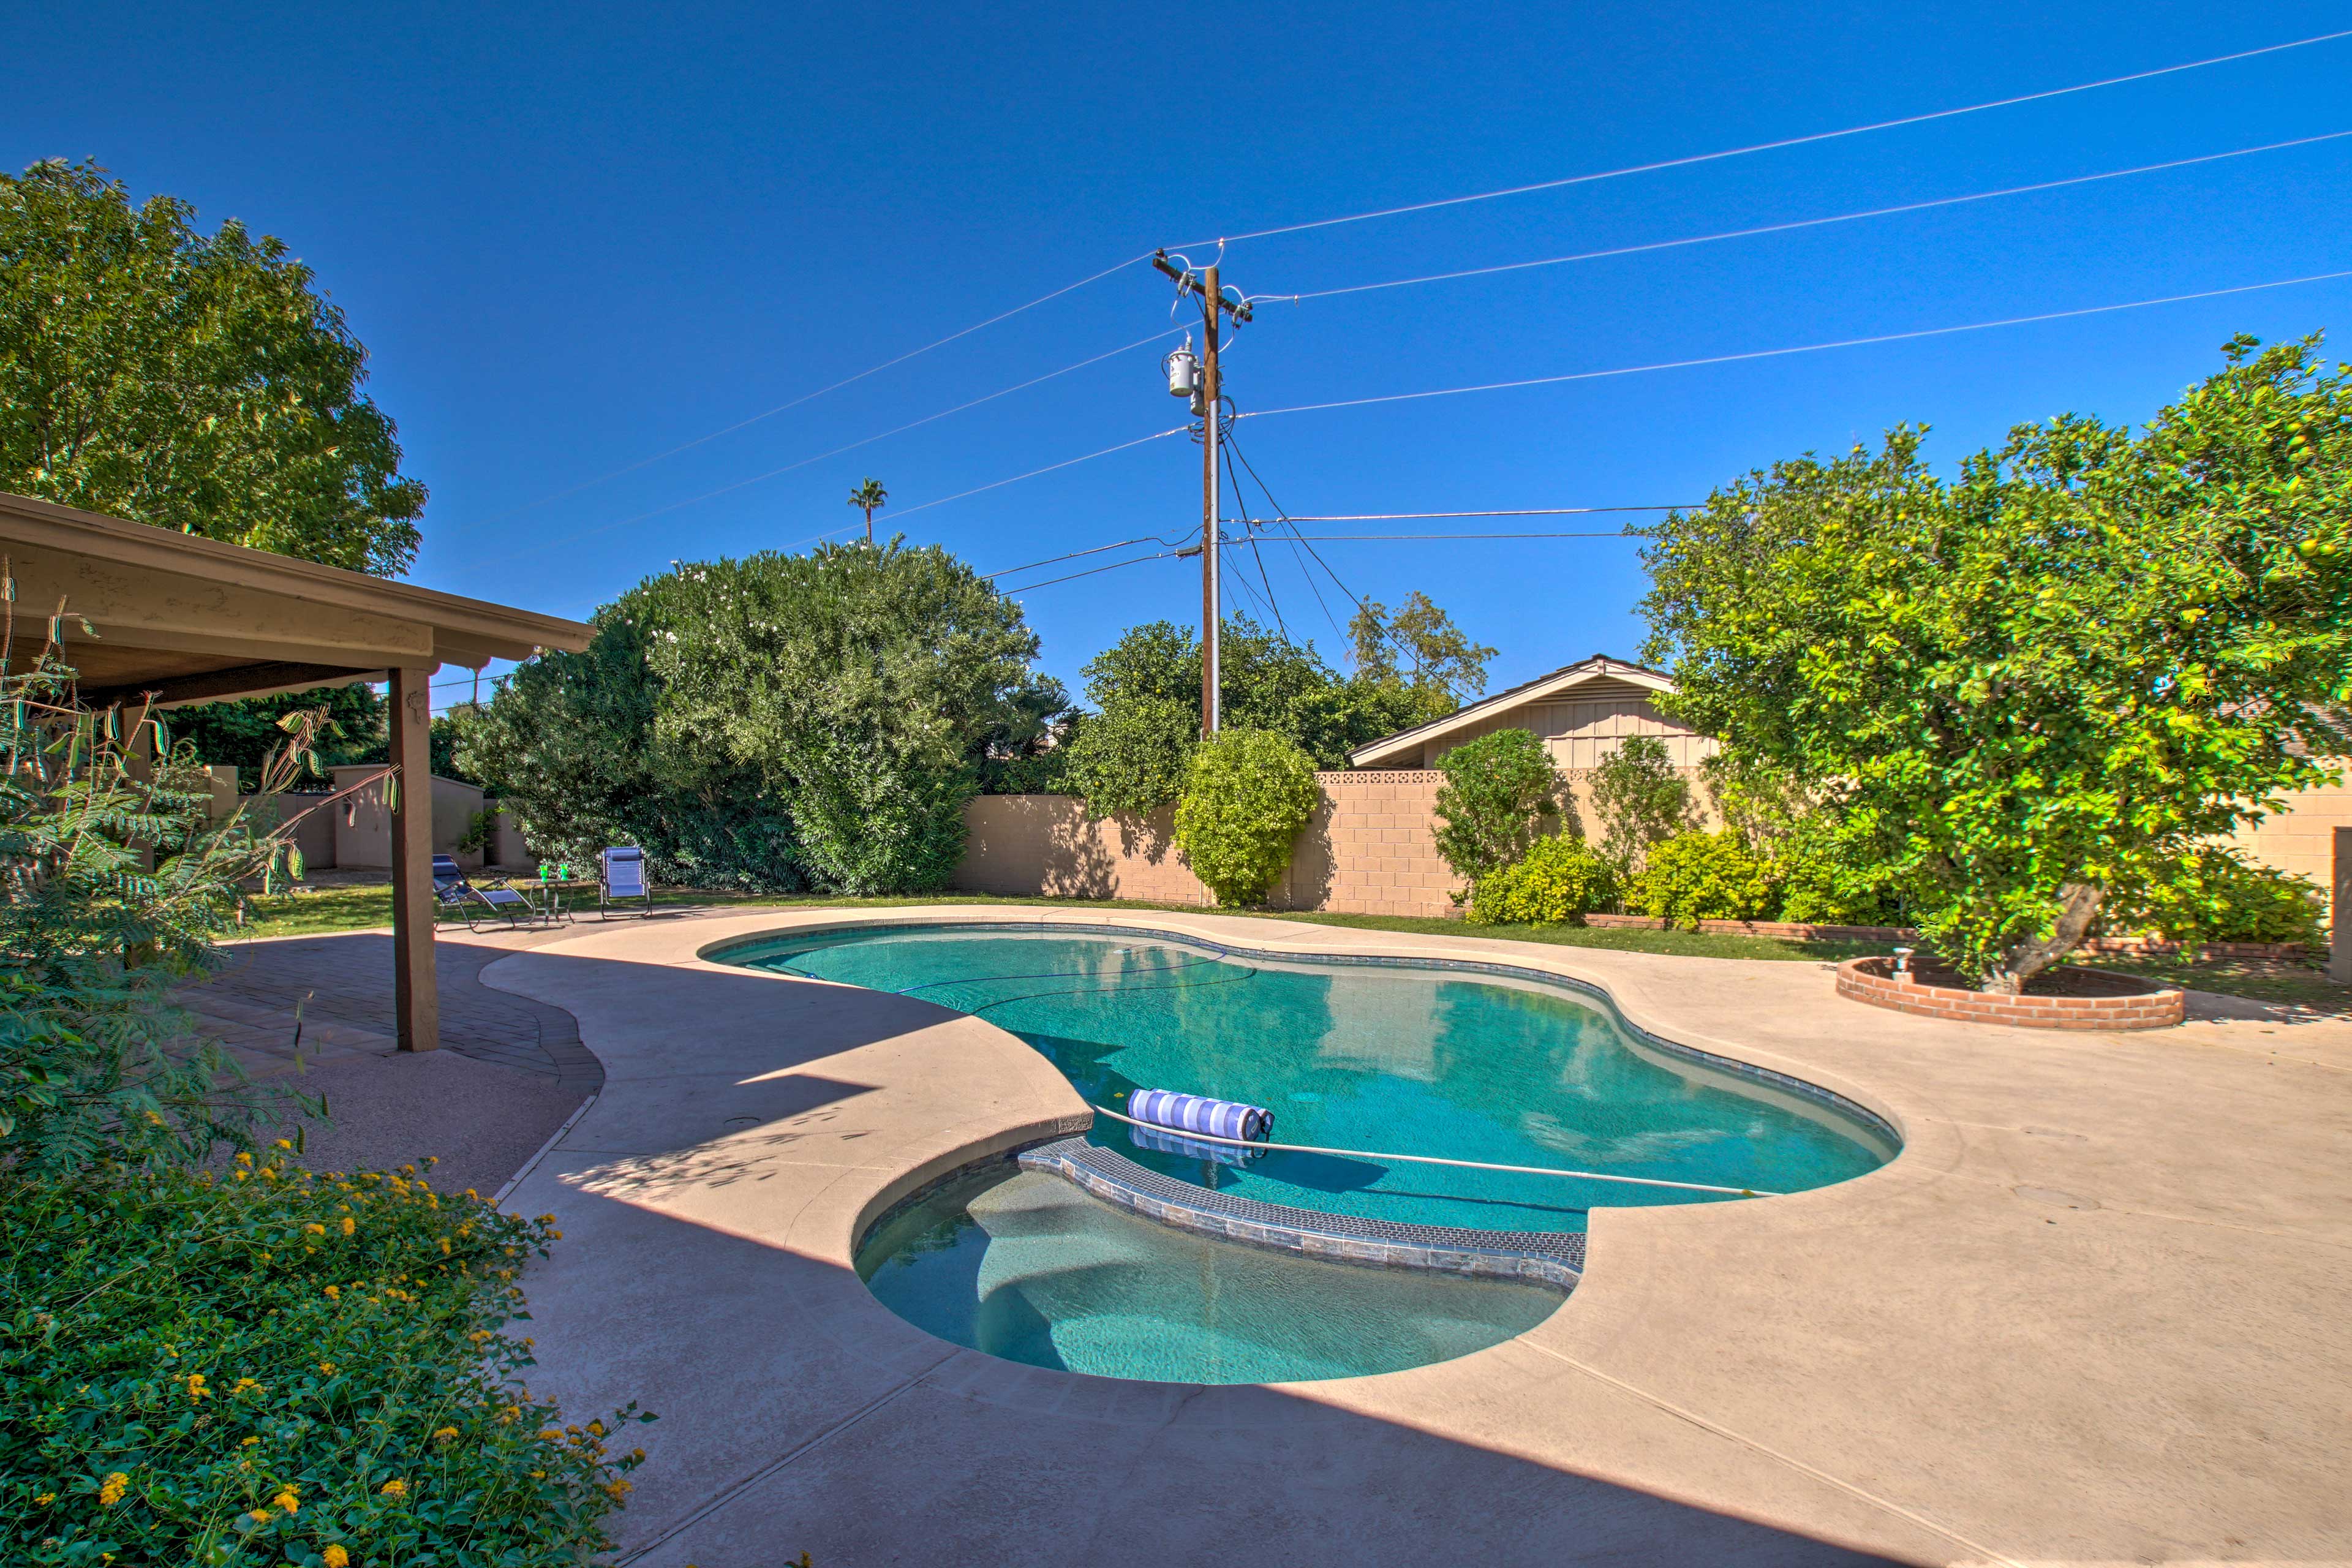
{"x":2339,"y":907}
{"x":417,"y":1000}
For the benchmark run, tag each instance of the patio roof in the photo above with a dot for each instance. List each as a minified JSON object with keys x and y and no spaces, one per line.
{"x":177,"y":619}
{"x":195,"y":620}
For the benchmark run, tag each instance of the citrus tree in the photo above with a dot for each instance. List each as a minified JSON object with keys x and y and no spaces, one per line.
{"x":1500,"y":792}
{"x":2042,"y":683}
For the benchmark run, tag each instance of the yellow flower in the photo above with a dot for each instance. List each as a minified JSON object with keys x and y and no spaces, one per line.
{"x":240,"y":1175}
{"x":287,"y":1501}
{"x":243,"y":1159}
{"x":46,"y":1499}
{"x":547,"y":1219}
{"x":197,"y":1389}
{"x":314,"y":1228}
{"x":555,"y":1236}
{"x":617,"y":1488}
{"x":395,"y":1487}
{"x":110,"y":1491}
{"x":596,"y":1427}
{"x":334,"y":1292}
{"x":445,"y":1247}
{"x":550,"y":1435}
{"x":283,"y":1143}
{"x":349,"y":1225}
{"x":335,"y":1557}
{"x":248,"y":1443}
{"x":445,"y":1435}
{"x":242,"y":1384}
{"x":327,"y":1367}
{"x":260,"y":1516}
{"x":506,"y":1414}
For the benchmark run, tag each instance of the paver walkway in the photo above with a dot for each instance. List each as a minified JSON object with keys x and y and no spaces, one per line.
{"x":342,"y":985}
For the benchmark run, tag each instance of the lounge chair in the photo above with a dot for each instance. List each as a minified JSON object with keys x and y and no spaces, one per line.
{"x":621,"y":874}
{"x":454,"y":893}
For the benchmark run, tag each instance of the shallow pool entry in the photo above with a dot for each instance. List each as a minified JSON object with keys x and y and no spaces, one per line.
{"x":1025,"y":1267}
{"x":1447,"y":1062}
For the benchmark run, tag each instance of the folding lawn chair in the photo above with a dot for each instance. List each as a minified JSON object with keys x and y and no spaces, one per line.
{"x":452,"y":892}
{"x":621,"y":874}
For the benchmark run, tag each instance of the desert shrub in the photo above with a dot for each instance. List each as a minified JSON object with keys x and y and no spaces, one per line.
{"x":2217,"y":895}
{"x":1561,"y":880}
{"x":1641,"y":799}
{"x":1499,"y":789}
{"x":264,"y":1367}
{"x":1246,"y":795}
{"x":1696,"y":876}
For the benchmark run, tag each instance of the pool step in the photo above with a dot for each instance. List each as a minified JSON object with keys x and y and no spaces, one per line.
{"x":1548,"y":1257}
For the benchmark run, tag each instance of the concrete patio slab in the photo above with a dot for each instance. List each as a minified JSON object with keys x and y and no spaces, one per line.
{"x":2092,"y":1314}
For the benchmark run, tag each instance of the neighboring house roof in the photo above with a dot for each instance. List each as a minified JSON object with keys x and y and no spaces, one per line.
{"x":1600,"y":666}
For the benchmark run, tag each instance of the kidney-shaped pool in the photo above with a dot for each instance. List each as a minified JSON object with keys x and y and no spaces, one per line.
{"x":1448,"y":1061}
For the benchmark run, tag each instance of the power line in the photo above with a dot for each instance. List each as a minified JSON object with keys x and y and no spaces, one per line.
{"x":1613,"y":533}
{"x":1074,"y":554}
{"x":1798,"y":349}
{"x":1797,"y":224}
{"x":821,"y":457}
{"x":1257,"y":552}
{"x":811,"y":397}
{"x":1135,"y":560}
{"x":1772,"y":146}
{"x":1050,"y":467}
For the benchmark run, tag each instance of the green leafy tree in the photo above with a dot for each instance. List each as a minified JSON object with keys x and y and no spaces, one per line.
{"x":1246,"y":795}
{"x":768,"y":721}
{"x":242,"y":735}
{"x":2216,"y":894}
{"x":194,"y":382}
{"x":1641,"y":798}
{"x":1501,"y":792}
{"x":1131,"y":753}
{"x":2051,"y":677}
{"x":1418,"y":646}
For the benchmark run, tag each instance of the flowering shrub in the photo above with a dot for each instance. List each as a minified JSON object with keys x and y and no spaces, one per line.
{"x":1559,"y":881}
{"x":268,"y":1367}
{"x":1696,"y":876}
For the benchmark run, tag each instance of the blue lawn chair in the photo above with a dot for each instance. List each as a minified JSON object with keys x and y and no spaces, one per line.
{"x":619,"y":876}
{"x":452,"y":893}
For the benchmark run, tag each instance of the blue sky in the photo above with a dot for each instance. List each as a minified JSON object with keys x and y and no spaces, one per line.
{"x":575,"y":237}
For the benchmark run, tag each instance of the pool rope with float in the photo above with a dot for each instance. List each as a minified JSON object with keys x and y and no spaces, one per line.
{"x":1267,"y":1126}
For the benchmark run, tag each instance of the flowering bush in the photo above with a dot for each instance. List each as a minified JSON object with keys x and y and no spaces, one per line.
{"x":1559,"y":881}
{"x":268,"y":1367}
{"x":1696,"y":876}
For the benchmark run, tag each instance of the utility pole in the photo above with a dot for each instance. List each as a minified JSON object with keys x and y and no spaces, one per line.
{"x":1215,"y":307}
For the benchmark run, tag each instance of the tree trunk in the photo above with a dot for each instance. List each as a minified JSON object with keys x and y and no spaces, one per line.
{"x":2078,"y":904}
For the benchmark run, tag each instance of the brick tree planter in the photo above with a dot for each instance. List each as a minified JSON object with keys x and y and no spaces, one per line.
{"x":2109,"y":1002}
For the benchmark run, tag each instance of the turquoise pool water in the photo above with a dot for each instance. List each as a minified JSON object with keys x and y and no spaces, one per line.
{"x":1025,"y":1267}
{"x":1363,"y":1055}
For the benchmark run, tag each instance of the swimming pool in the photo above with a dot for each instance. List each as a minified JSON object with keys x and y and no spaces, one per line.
{"x":1365,"y":1054}
{"x":1025,"y":1267}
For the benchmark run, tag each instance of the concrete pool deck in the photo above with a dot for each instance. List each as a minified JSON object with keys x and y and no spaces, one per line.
{"x":2094,"y":1313}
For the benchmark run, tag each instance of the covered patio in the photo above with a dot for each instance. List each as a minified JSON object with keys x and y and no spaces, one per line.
{"x":177,"y":620}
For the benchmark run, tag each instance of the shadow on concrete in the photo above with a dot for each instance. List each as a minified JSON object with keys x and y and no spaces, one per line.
{"x":796,"y":1415}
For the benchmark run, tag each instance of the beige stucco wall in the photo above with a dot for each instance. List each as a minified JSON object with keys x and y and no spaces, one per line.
{"x":363,"y":823}
{"x":2302,"y":838}
{"x":1370,"y":848}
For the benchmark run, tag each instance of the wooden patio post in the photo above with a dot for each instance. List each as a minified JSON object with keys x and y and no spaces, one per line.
{"x":2339,"y":905}
{"x":417,"y":1000}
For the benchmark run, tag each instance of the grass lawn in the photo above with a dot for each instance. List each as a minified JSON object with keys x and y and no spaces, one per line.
{"x":359,"y":908}
{"x":2292,"y":984}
